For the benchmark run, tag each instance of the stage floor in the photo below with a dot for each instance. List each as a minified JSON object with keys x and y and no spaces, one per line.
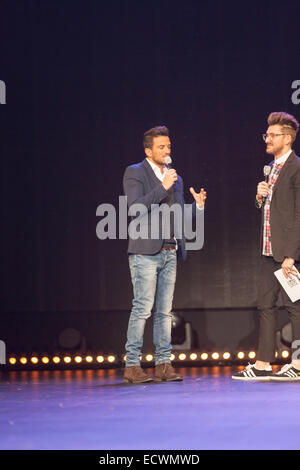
{"x":93,"y":409}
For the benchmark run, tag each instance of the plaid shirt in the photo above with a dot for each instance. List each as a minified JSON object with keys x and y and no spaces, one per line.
{"x":267,"y":245}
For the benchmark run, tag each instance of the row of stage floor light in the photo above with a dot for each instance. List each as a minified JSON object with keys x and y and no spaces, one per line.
{"x":113,"y":360}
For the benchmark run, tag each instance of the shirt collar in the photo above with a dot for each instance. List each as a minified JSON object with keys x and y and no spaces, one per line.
{"x":283,"y":158}
{"x":155,"y":168}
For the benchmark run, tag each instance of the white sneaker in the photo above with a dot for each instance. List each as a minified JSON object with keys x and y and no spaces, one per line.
{"x":251,"y":373}
{"x":287,"y":373}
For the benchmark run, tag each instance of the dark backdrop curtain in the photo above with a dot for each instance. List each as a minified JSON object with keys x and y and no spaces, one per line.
{"x":84,"y":81}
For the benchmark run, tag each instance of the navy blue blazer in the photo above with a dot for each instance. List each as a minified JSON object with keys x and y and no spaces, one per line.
{"x":141,"y":186}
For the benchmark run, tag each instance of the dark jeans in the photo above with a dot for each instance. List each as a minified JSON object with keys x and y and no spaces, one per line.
{"x":271,"y":296}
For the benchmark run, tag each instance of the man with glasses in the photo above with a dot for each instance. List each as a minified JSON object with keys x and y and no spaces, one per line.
{"x":279,"y":201}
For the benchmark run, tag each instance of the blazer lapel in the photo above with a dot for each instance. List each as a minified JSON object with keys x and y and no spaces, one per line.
{"x":284,"y":171}
{"x":154,"y":180}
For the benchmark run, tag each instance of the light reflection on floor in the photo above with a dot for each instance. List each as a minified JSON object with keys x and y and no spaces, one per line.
{"x":94,"y":409}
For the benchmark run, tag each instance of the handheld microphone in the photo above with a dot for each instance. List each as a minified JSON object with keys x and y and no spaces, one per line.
{"x":267,"y":171}
{"x":168,"y":162}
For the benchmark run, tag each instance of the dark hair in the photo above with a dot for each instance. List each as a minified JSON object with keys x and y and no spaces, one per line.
{"x":287,"y":121}
{"x":154,"y":132}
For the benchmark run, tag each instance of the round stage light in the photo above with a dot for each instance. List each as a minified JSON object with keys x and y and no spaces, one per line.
{"x":251,"y":355}
{"x":204,"y":356}
{"x":45,"y":360}
{"x":23,"y":360}
{"x":241,"y":355}
{"x":193,"y":356}
{"x":226,"y":355}
{"x":285,"y":354}
{"x":215,"y":355}
{"x":100,"y":359}
{"x":149,"y":357}
{"x":78,"y":359}
{"x":12,"y":360}
{"x":182,"y":356}
{"x":89,"y":359}
{"x":56,"y":360}
{"x":67,"y":359}
{"x":111,"y":359}
{"x":172,"y":357}
{"x":34,"y":360}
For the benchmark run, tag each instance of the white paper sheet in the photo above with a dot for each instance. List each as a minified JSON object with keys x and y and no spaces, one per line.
{"x":291,"y":286}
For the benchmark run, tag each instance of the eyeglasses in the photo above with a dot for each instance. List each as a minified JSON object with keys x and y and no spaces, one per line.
{"x":271,"y":136}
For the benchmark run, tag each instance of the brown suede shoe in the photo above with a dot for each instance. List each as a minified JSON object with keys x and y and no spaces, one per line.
{"x":136,"y":375}
{"x":165,"y":372}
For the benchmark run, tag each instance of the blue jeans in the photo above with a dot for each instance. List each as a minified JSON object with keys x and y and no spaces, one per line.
{"x":153,"y":279}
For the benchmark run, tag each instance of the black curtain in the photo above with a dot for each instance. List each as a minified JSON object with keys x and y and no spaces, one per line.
{"x":84,"y":80}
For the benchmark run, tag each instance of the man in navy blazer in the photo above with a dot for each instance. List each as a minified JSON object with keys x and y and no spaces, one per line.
{"x":153,"y":253}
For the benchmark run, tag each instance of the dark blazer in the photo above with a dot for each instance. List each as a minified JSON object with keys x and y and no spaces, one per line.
{"x":285,"y":211}
{"x":141,"y":186}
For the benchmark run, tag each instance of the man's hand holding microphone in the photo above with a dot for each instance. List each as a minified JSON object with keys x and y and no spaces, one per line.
{"x":263,"y":186}
{"x":169,"y":179}
{"x":262,"y":191}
